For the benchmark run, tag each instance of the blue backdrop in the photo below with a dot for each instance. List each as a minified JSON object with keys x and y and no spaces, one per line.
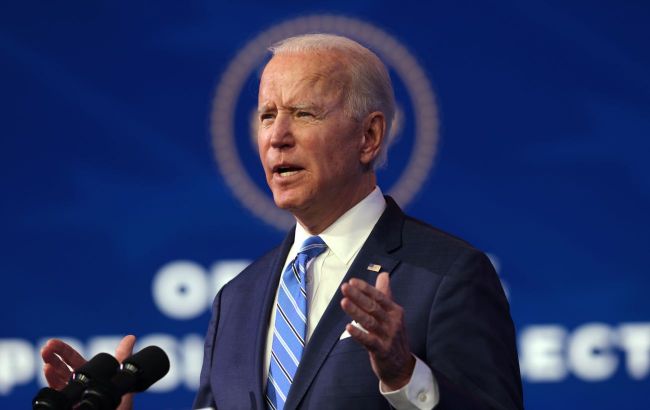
{"x":130,"y":182}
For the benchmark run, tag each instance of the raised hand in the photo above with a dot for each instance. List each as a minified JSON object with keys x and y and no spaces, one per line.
{"x":60,"y":358}
{"x":385,"y":335}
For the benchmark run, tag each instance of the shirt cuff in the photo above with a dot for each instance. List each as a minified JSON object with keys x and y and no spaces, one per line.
{"x":421,"y":392}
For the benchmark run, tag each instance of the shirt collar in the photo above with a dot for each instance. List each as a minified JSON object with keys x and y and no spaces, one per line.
{"x":346,"y":235}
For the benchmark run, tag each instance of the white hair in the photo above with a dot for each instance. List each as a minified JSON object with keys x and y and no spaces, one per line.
{"x":370,"y":88}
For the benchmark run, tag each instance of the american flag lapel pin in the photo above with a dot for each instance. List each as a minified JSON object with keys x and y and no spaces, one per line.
{"x":373,"y":267}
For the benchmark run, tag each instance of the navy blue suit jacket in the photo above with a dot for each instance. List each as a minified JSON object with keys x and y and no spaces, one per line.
{"x":456,"y":314}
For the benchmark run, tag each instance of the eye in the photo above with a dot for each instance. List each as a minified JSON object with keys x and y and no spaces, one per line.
{"x":303,"y":114}
{"x":266,"y":117}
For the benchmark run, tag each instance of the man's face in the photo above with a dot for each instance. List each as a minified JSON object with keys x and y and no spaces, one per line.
{"x":308,"y":145}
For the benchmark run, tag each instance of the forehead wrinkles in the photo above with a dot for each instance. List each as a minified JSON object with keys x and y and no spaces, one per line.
{"x":303,"y":79}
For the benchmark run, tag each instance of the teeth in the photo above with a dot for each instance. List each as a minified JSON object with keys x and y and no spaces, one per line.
{"x":287,"y":173}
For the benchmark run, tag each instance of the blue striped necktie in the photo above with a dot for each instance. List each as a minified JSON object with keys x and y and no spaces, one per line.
{"x":290,"y":327}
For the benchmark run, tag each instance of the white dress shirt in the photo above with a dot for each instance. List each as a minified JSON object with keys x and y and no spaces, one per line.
{"x":344,"y":239}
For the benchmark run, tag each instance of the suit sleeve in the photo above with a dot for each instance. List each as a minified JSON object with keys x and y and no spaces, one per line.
{"x":204,"y":398}
{"x":471,"y":343}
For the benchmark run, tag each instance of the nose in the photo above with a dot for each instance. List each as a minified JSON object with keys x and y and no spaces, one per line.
{"x":282,"y":132}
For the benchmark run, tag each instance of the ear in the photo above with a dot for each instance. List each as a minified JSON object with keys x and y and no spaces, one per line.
{"x":374,"y":131}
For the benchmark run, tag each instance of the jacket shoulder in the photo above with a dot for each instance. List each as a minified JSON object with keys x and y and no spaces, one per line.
{"x":432,"y":248}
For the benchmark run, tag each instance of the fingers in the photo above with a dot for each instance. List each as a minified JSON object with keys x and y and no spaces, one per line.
{"x":126,"y":403}
{"x":60,"y":359}
{"x":383,"y":284}
{"x":123,"y":351}
{"x":56,"y":350}
{"x":125,"y":348}
{"x":364,"y":302}
{"x":386,"y":339}
{"x":56,"y":377}
{"x":372,"y":307}
{"x":371,"y":342}
{"x":368,"y":321}
{"x":380,"y":295}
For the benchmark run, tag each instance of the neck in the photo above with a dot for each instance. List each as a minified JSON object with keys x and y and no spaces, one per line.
{"x":317,"y":222}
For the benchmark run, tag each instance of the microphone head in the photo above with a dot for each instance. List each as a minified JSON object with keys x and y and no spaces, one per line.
{"x":101,"y":367}
{"x":149,"y":365}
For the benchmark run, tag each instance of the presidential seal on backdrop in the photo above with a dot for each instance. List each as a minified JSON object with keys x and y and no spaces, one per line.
{"x":413,"y":137}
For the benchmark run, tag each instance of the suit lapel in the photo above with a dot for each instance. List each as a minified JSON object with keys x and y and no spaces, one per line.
{"x":273,"y":278}
{"x":384,"y":238}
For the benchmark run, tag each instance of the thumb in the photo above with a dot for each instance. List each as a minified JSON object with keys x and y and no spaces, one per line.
{"x":125,"y":348}
{"x":383,"y":284}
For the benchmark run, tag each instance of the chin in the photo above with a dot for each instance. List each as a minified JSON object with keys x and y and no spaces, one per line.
{"x":288,"y":201}
{"x":284,"y":201}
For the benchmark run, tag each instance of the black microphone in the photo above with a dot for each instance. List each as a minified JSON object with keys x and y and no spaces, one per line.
{"x":100,"y":368}
{"x":137,"y":374}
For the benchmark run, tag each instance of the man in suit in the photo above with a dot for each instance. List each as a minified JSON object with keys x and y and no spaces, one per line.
{"x":361,"y":306}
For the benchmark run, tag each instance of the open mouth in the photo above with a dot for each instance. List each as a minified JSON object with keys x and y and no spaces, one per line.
{"x":286,"y":171}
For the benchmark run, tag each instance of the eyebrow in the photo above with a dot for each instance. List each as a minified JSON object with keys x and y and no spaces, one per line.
{"x":305,"y":106}
{"x":292,"y":108}
{"x":264,"y":108}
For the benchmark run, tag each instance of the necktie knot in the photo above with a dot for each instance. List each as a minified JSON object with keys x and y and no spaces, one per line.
{"x":311,"y":248}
